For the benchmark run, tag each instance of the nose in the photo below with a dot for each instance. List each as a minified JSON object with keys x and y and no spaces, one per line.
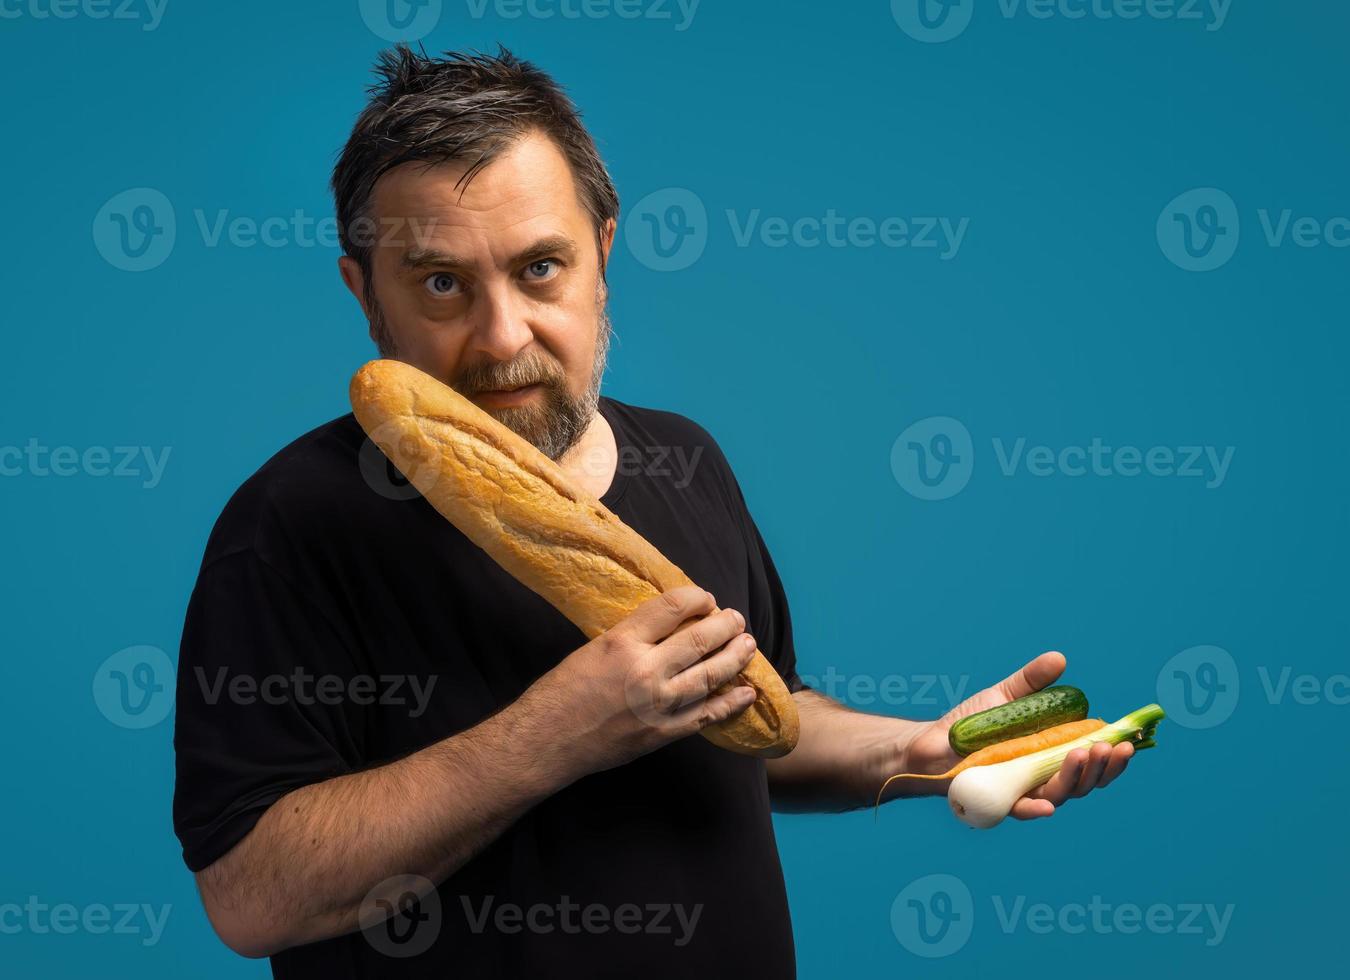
{"x":500,"y":330}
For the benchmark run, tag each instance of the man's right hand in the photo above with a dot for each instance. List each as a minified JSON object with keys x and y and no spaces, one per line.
{"x":649,"y":680}
{"x":304,"y":870}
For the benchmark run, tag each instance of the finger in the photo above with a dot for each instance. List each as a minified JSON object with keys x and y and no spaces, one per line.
{"x":704,"y":677}
{"x":1039,"y":673}
{"x":1062,"y":783}
{"x":717,"y":708}
{"x":659,"y":616}
{"x":1031,"y":809}
{"x":1092,"y":771}
{"x":1120,"y":758}
{"x":695,"y":640}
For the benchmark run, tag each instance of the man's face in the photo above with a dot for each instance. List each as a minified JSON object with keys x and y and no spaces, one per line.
{"x":495,"y":288}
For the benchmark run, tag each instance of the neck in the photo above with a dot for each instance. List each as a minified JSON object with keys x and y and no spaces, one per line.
{"x":592,"y":461}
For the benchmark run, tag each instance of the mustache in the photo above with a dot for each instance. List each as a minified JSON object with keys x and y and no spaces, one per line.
{"x":511,"y":374}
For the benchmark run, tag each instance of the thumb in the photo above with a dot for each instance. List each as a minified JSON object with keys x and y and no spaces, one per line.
{"x":1039,"y":673}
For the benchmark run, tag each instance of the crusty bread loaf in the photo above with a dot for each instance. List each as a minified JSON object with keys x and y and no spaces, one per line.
{"x":555,"y":538}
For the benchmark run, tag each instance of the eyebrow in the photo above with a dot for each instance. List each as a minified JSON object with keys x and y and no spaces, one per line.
{"x":560,"y":245}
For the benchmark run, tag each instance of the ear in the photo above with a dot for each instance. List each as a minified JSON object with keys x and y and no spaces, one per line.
{"x":351,"y":273}
{"x":606,"y":243}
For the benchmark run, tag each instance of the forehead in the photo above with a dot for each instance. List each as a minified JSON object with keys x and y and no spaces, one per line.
{"x":527,"y":189}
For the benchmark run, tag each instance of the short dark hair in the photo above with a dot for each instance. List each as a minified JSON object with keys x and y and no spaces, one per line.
{"x":460,"y":107}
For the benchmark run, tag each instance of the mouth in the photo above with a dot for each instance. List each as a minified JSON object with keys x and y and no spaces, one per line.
{"x":509,"y":396}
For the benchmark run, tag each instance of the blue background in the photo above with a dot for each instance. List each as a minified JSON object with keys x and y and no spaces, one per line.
{"x":1059,"y":320}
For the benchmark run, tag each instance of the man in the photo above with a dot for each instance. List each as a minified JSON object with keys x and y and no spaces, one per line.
{"x":393,"y":759}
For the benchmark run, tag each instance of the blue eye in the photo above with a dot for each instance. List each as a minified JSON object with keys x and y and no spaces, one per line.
{"x":442,"y":284}
{"x":543,"y":269}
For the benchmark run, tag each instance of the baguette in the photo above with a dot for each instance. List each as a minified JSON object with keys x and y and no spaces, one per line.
{"x":556,"y":539}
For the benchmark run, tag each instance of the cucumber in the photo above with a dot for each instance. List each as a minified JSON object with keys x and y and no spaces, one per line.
{"x":1025,"y":716}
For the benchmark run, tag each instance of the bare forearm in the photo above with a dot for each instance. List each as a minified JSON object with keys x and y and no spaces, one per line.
{"x":841,"y":759}
{"x":303,"y":871}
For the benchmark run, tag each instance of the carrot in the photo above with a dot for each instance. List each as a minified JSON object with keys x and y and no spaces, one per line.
{"x":1012,"y":748}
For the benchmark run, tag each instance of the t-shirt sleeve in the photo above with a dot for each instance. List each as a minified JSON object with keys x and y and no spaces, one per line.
{"x":259,"y":711}
{"x":770,"y":620}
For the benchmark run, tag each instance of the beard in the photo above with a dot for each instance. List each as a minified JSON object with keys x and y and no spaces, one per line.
{"x":553,"y":425}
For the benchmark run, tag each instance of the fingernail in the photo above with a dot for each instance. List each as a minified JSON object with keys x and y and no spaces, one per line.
{"x":748,"y":641}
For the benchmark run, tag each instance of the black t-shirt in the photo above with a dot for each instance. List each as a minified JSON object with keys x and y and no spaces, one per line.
{"x":338,"y":623}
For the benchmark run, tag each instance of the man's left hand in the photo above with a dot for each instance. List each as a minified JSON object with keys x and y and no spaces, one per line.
{"x":1082,"y":772}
